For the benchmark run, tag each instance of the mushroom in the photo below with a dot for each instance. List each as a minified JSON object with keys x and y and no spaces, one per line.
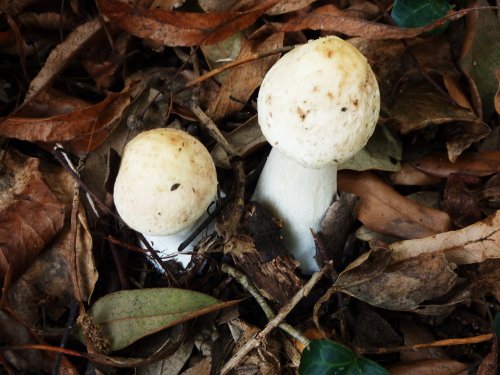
{"x":317,"y":106}
{"x":165,"y":183}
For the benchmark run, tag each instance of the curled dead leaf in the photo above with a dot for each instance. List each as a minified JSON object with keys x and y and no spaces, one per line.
{"x":384,"y":210}
{"x":85,"y":127}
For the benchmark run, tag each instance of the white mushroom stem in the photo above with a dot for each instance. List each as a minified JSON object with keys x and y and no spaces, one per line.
{"x":167,"y":246}
{"x":299,"y":196}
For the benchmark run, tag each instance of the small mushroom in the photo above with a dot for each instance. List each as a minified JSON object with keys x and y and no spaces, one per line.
{"x":165,"y":183}
{"x":317,"y":106}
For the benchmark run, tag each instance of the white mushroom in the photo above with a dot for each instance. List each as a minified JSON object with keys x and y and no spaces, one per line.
{"x":165,"y":183}
{"x":317,"y":106}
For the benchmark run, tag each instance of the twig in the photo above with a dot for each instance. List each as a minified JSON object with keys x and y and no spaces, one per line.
{"x":231,"y":65}
{"x":69,"y":327}
{"x":275,"y":322}
{"x":236,"y":207}
{"x":246,"y":283}
{"x":435,"y":344}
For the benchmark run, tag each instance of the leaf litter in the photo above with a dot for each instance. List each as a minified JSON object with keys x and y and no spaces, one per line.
{"x":101,"y":73}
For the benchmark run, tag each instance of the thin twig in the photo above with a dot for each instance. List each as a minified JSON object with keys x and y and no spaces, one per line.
{"x":435,"y":344}
{"x":235,"y":209}
{"x":231,"y":65}
{"x":246,"y":283}
{"x":69,"y":328}
{"x":275,"y":322}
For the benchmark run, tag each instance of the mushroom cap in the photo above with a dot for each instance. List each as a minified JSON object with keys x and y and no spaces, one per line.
{"x":166,"y":181}
{"x":319,"y":103}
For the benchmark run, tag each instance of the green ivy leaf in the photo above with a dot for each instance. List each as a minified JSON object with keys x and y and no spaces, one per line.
{"x":325,"y":357}
{"x":496,"y":324}
{"x":411,"y":13}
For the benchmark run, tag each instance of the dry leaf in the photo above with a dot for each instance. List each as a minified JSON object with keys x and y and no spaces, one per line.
{"x":417,"y":105}
{"x":430,"y":366}
{"x":409,"y":175}
{"x":471,"y":163}
{"x":461,"y":199}
{"x":384,"y":210}
{"x":288,"y":6}
{"x":179,"y":28}
{"x":497,"y":95}
{"x":330,"y":18}
{"x":415,"y":332}
{"x":242,"y":81}
{"x":243,"y":140}
{"x":85,"y":127}
{"x":480,"y":55}
{"x":62,"y":55}
{"x":472,"y":244}
{"x":30,"y":213}
{"x":378,"y":280}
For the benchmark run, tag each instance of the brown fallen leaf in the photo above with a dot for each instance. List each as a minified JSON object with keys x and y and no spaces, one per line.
{"x":489,"y":365}
{"x":85,"y":127}
{"x":461,"y":199}
{"x":430,"y":366}
{"x":30,"y":213}
{"x":62,"y":55}
{"x":411,"y":176}
{"x":242,"y":81}
{"x":384,"y":210}
{"x":243,"y":140}
{"x":180,"y":28}
{"x":497,"y":95}
{"x":330,"y":18}
{"x":478,"y":164}
{"x":377,"y":279}
{"x":472,"y":244}
{"x":417,"y":106}
{"x":288,"y":6}
{"x":480,"y":56}
{"x":415,"y":332}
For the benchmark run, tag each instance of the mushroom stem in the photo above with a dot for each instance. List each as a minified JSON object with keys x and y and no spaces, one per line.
{"x":299,"y":196}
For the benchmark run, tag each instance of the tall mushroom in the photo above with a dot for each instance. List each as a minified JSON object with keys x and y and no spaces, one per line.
{"x":317,"y":106}
{"x":165,"y":183}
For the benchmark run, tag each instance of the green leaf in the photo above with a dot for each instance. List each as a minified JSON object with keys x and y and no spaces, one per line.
{"x":411,"y":13}
{"x":325,"y":357}
{"x":496,"y":324}
{"x":129,"y":315}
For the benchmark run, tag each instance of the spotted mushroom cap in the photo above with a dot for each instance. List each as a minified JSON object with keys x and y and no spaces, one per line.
{"x":166,"y":181}
{"x":319,"y":104}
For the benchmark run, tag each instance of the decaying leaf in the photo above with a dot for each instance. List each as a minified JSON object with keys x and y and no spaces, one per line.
{"x":179,"y":29}
{"x":30,"y":213}
{"x":62,"y":55}
{"x":288,"y":6}
{"x":398,"y":285}
{"x":409,"y":175}
{"x":418,"y":106}
{"x":129,"y":315}
{"x":384,"y":210}
{"x":472,"y":244}
{"x":243,"y":80}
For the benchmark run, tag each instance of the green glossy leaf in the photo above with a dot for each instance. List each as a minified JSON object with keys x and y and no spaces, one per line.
{"x":325,"y":357}
{"x":129,"y":315}
{"x":411,"y":13}
{"x":496,"y":324}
